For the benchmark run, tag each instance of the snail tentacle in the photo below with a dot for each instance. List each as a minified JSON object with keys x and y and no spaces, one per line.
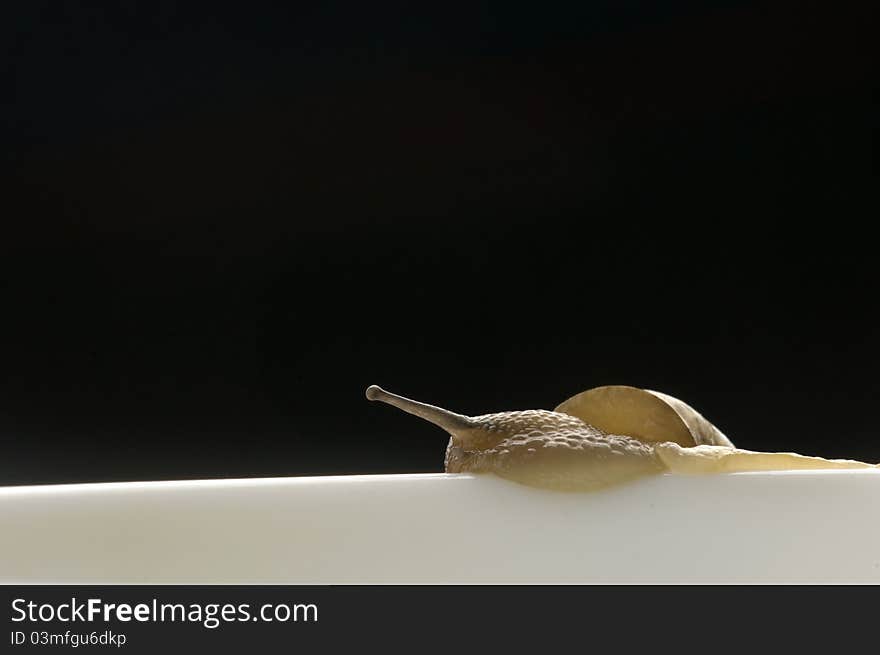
{"x":443,"y":418}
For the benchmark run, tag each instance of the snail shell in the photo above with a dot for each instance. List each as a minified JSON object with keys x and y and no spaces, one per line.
{"x":649,"y":416}
{"x":600,"y":437}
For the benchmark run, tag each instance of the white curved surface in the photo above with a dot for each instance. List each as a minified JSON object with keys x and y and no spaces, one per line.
{"x":794,"y":527}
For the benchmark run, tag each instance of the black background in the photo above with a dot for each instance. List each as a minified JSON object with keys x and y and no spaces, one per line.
{"x":221,"y":224}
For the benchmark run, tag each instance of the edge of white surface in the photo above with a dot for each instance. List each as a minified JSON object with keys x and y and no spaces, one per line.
{"x":208,"y":483}
{"x":219,"y":482}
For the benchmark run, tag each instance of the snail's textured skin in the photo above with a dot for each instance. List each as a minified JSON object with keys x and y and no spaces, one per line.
{"x":549,"y":449}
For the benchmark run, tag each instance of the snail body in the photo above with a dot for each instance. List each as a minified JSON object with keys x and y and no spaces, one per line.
{"x":561,"y":450}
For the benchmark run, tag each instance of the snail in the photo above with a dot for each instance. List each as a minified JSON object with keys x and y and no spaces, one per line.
{"x":603,"y":436}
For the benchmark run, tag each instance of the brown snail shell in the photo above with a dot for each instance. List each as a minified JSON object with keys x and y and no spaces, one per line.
{"x":649,"y":416}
